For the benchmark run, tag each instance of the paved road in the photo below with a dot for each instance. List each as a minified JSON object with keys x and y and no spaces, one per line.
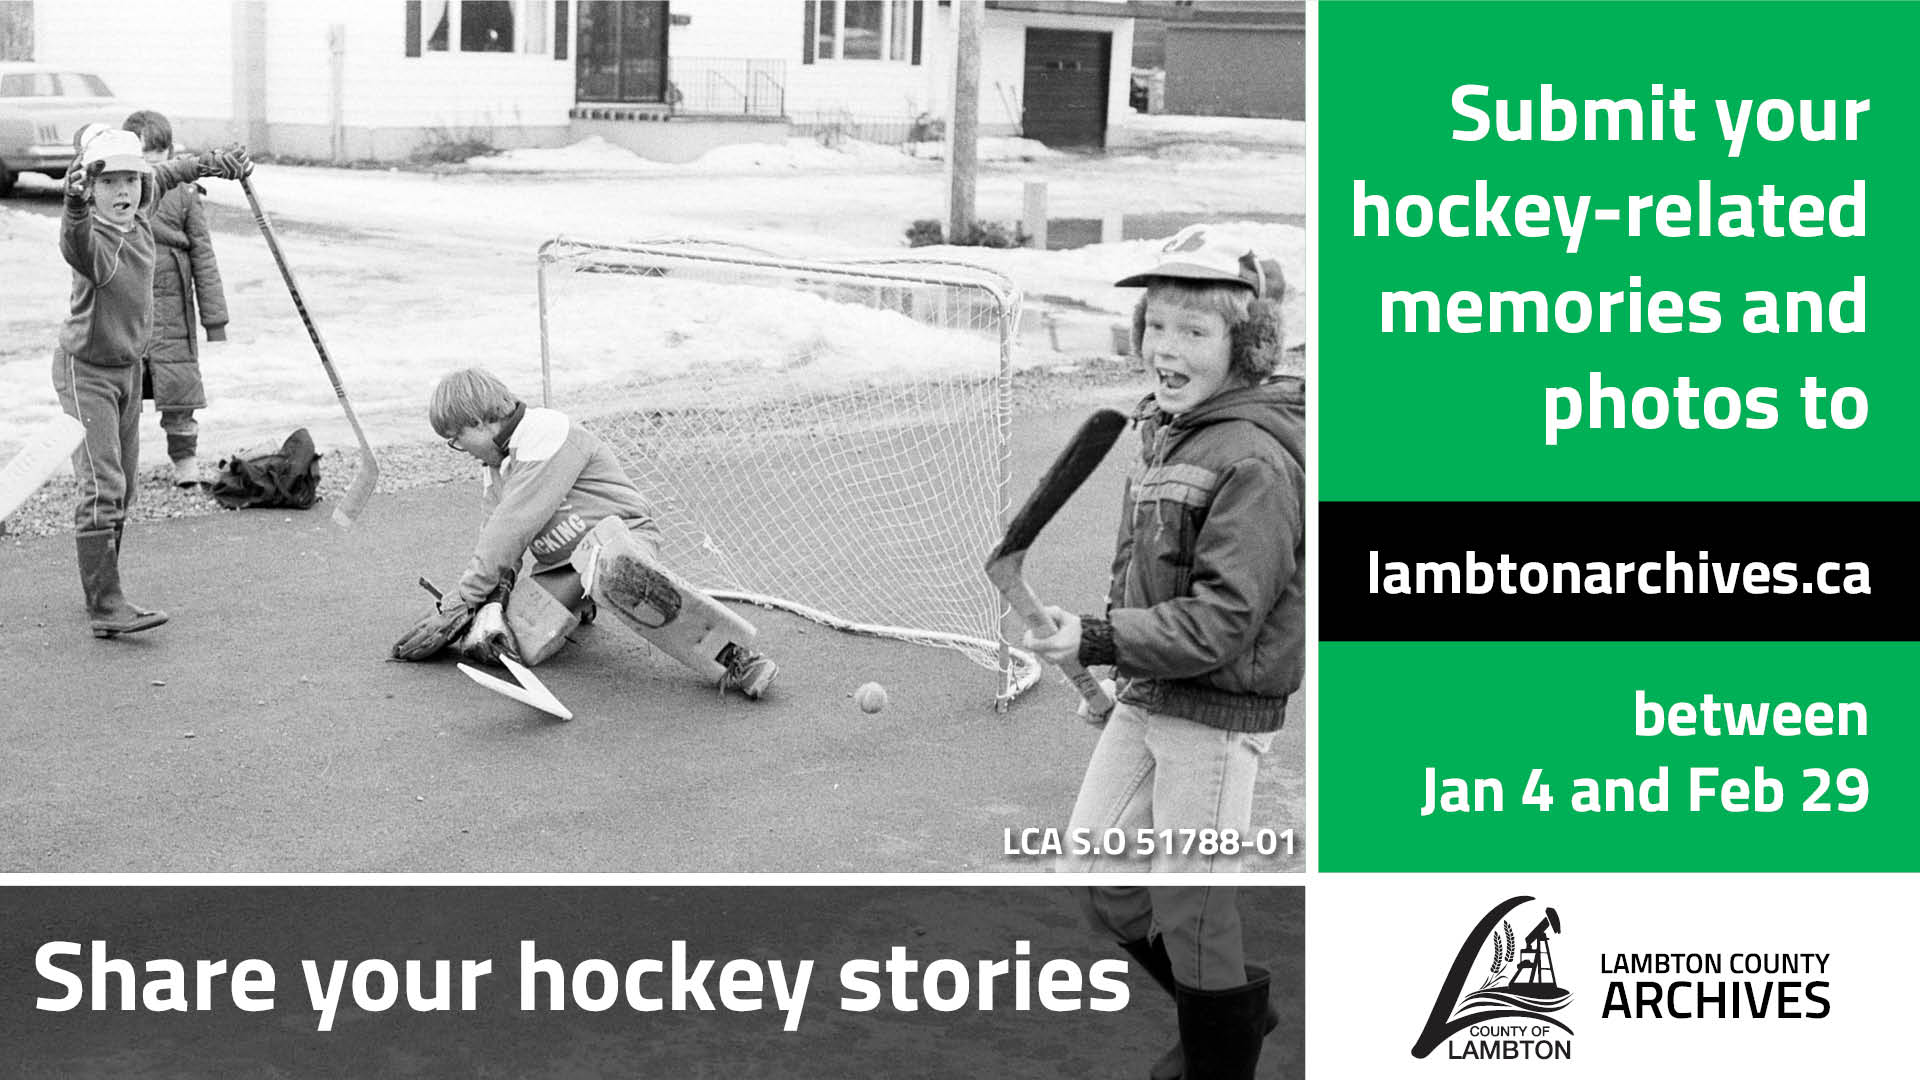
{"x":263,"y":730}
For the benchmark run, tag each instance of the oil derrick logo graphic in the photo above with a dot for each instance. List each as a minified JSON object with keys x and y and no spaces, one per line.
{"x":1501,"y":992}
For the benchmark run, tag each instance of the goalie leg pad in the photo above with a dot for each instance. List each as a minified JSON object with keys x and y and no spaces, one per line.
{"x":624,"y":576}
{"x":539,"y":620}
{"x":641,"y":592}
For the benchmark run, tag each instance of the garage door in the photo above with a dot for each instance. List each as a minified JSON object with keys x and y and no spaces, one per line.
{"x":1066,"y":91}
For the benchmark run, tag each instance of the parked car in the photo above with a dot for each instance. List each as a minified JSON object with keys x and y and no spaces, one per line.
{"x":40,"y":108}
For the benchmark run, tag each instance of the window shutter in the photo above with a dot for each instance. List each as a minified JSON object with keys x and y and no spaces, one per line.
{"x":560,"y":29}
{"x":812,"y":10}
{"x":916,"y":31}
{"x":413,"y":27}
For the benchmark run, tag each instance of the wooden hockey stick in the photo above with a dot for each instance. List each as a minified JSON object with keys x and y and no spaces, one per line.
{"x":1068,"y":471}
{"x":360,"y":490}
{"x":47,"y":446}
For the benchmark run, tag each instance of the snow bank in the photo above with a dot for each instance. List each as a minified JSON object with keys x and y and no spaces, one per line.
{"x":596,"y":155}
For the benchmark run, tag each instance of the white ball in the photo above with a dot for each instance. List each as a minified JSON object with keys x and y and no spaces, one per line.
{"x":871,"y":697}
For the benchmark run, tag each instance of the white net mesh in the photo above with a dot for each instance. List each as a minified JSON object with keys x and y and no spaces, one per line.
{"x":830,"y":438}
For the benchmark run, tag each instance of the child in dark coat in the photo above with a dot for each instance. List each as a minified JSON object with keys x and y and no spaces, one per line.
{"x":1205,"y":628}
{"x":186,"y":289}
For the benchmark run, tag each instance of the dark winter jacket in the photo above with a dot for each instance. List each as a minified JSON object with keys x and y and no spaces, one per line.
{"x":186,"y":290}
{"x":1207,"y":610}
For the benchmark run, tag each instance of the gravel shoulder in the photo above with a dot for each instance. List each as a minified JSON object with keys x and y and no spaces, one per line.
{"x":404,"y":467}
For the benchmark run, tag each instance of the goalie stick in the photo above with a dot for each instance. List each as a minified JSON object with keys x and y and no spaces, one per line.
{"x":1076,"y":462}
{"x":361,"y":489}
{"x":49,"y":444}
{"x":528,"y":691}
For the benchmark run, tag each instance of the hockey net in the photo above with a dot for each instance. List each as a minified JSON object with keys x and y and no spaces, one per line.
{"x":828,"y":438}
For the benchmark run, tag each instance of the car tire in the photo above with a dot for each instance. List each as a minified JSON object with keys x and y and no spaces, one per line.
{"x":6,"y":181}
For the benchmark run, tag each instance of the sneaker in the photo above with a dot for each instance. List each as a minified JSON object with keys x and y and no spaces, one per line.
{"x":186,"y":472}
{"x":748,"y":672}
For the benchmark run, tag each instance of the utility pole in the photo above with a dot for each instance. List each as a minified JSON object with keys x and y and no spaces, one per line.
{"x":964,"y":153}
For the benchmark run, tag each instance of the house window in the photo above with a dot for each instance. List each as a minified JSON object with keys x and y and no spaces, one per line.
{"x":486,"y":26}
{"x":439,"y":16}
{"x":824,"y":17}
{"x":481,"y":26}
{"x":861,"y":30}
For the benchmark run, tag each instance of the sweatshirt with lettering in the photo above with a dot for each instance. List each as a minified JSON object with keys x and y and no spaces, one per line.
{"x":557,"y":482}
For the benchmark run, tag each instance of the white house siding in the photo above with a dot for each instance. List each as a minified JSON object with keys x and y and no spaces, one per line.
{"x":392,"y":102}
{"x":1003,"y":59}
{"x":892,"y":90}
{"x":1013,"y":59}
{"x":769,"y":29}
{"x":174,"y":57}
{"x":180,"y":58}
{"x":888,"y":89}
{"x":189,"y":59}
{"x":863,"y":89}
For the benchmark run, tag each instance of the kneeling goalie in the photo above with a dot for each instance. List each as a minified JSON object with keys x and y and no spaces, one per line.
{"x":557,"y":493}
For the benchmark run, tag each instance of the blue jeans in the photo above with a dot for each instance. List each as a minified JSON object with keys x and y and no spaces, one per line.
{"x":1199,"y":924}
{"x":1156,"y":772}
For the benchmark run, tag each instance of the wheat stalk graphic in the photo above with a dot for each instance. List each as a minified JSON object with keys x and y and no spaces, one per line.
{"x":1503,"y":952}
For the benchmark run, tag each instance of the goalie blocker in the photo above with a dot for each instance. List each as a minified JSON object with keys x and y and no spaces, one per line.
{"x":539,"y":621}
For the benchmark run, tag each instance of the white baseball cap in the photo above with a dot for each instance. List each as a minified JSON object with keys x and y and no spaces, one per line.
{"x":114,"y":151}
{"x":1205,"y":253}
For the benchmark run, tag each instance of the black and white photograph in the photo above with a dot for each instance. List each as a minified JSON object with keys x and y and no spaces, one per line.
{"x":640,"y":437}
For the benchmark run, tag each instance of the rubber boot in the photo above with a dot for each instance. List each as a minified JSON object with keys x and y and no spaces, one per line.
{"x":108,"y":612}
{"x":182,"y":450}
{"x":1151,"y":954}
{"x":119,"y":548}
{"x":1221,"y":1030}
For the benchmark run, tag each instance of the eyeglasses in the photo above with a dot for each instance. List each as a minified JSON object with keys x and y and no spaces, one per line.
{"x":453,"y":441}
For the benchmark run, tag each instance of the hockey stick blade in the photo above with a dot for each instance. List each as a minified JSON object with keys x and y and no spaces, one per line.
{"x":354,"y":500}
{"x":47,"y":446}
{"x":348,"y":509}
{"x":530,"y":691}
{"x":1069,"y":470}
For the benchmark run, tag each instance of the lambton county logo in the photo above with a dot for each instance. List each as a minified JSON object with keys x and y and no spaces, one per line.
{"x":1502,"y":992}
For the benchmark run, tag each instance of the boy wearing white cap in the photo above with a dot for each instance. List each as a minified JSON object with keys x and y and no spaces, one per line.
{"x":106,"y":236}
{"x":1205,"y":628}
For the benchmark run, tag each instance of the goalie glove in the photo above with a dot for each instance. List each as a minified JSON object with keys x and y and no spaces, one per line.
{"x":446,"y":622}
{"x":487,"y":638}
